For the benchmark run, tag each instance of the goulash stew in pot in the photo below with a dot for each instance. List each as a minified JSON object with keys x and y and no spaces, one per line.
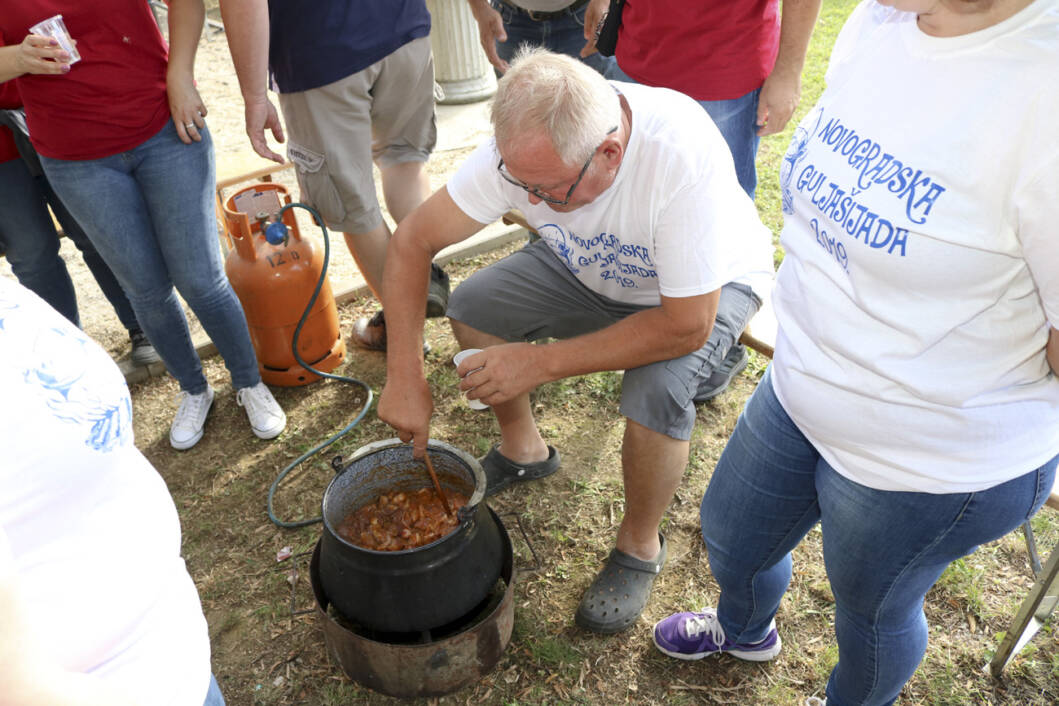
{"x":401,"y":520}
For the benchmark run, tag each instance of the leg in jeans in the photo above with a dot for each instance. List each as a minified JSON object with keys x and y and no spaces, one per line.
{"x":177,"y":184}
{"x":735,"y":119}
{"x":106,"y":280}
{"x":214,"y":696}
{"x":884,"y":550}
{"x":103,"y":196}
{"x":562,"y":35}
{"x":149,"y":212}
{"x":31,"y":242}
{"x":759,"y":504}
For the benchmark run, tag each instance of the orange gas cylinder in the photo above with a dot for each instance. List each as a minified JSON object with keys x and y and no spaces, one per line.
{"x":274,"y":284}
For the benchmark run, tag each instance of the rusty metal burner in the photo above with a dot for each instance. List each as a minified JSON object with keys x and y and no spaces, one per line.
{"x":430,"y":663}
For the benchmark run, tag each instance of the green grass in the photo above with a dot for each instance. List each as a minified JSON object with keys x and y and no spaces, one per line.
{"x":964,"y":582}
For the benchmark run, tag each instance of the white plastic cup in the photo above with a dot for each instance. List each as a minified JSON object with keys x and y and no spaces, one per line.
{"x":457,"y":359}
{"x":55,"y":28}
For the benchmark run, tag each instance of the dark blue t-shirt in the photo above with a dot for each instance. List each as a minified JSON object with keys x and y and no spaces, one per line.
{"x":317,"y":42}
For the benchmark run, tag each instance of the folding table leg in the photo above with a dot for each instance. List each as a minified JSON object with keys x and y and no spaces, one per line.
{"x":1031,"y":615}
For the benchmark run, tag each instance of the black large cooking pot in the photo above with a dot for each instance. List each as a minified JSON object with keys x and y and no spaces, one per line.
{"x":414,"y":589}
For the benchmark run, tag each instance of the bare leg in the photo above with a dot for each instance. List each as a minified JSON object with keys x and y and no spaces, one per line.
{"x":404,"y":186}
{"x":369,"y":252}
{"x":652,"y":465}
{"x":520,"y":440}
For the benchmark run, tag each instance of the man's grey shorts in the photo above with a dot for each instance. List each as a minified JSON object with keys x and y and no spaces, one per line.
{"x":531,"y":295}
{"x":384,"y":113}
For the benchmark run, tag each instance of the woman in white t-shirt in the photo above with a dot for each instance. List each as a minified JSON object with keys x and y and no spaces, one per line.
{"x":96,"y":604}
{"x":912,"y":407}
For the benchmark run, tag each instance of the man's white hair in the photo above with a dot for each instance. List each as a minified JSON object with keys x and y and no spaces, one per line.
{"x":557,"y":94}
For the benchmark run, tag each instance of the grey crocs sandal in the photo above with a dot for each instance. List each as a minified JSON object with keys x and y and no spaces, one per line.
{"x":618,"y":595}
{"x":500,"y":472}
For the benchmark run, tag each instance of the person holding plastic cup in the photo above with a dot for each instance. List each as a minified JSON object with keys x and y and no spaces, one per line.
{"x":459,"y":358}
{"x":651,"y":260}
{"x":123,"y":140}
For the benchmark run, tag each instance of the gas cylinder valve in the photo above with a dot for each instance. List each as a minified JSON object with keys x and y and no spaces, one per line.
{"x":277,"y":233}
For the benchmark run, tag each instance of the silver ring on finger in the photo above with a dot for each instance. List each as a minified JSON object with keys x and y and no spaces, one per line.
{"x":188,"y":126}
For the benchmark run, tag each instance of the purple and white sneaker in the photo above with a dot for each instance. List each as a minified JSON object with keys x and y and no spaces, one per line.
{"x":697,"y":635}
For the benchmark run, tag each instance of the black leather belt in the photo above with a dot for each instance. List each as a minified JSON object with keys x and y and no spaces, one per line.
{"x":545,"y":16}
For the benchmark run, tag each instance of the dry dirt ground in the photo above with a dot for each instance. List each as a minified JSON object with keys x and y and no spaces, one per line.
{"x":265,"y":655}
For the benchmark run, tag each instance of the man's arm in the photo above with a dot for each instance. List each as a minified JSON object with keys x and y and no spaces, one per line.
{"x":490,"y":31}
{"x":593,"y":15}
{"x":247,"y":29}
{"x":783,"y":87}
{"x":405,"y":403}
{"x":675,"y":328}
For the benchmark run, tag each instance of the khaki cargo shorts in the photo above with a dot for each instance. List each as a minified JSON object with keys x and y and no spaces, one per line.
{"x":382,"y":114}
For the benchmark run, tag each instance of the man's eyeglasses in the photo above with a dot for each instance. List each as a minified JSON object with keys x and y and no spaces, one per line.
{"x":540,"y":194}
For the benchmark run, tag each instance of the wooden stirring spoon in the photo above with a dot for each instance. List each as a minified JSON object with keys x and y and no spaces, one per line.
{"x":437,"y":485}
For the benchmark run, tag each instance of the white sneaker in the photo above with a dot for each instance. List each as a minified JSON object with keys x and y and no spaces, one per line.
{"x":814,"y":701}
{"x":266,"y":418}
{"x":190,"y":418}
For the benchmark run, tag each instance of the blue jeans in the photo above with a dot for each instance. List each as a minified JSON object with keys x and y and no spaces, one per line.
{"x":150,"y":213}
{"x":32,"y":245}
{"x":883,"y":550}
{"x":563,"y":35}
{"x":214,"y":696}
{"x":736,"y":119}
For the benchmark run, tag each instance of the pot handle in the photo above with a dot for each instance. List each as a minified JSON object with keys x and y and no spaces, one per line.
{"x":465,"y":513}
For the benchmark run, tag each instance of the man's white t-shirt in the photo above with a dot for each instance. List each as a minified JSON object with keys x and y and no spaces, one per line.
{"x":921,"y":273}
{"x":675,"y":221}
{"x":86,"y":524}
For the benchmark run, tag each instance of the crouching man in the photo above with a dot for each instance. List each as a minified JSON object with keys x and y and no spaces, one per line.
{"x":651,"y":260}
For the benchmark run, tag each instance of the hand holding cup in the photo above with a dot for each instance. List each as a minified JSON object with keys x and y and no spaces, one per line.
{"x":48,"y":48}
{"x":457,"y":359}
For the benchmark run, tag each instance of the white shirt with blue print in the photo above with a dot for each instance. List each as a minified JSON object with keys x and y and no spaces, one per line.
{"x":921,"y":269}
{"x":87,"y":525}
{"x":675,"y":222}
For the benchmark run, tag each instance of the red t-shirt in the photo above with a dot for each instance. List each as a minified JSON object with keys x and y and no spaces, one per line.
{"x":712,"y":50}
{"x":114,"y":98}
{"x":7,"y":145}
{"x":8,"y":99}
